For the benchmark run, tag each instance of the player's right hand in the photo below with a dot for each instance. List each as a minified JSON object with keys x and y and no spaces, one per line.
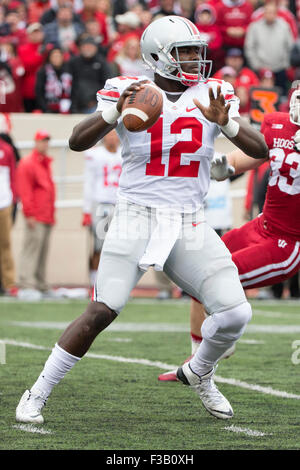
{"x":220,"y":170}
{"x":218,"y":110}
{"x":136,"y":86}
{"x":86,"y":220}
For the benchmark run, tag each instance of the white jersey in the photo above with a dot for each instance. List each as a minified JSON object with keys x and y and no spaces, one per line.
{"x":169,"y":164}
{"x":101,"y":176}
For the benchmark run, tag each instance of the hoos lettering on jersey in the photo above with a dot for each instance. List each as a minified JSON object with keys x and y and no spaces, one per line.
{"x":283,"y":143}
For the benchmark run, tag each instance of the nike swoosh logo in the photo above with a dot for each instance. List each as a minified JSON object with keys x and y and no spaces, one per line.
{"x":195,"y":225}
{"x":190,"y":109}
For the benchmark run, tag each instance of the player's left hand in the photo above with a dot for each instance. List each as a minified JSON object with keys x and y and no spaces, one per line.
{"x":296,"y":139}
{"x":220,"y":170}
{"x":217,"y":111}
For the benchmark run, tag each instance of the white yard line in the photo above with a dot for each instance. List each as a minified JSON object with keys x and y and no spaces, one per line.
{"x":157,"y":327}
{"x":21,"y":344}
{"x":152,"y":301}
{"x":120,"y":340}
{"x":257,"y":388}
{"x":273,"y":314}
{"x":161,"y":365}
{"x":250,"y":341}
{"x":273,"y":329}
{"x":31,"y":428}
{"x":247,"y":431}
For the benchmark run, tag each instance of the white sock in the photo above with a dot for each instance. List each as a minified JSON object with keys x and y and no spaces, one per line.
{"x":219,"y":331}
{"x":207,"y":355}
{"x":57,"y":365}
{"x":195,"y":342}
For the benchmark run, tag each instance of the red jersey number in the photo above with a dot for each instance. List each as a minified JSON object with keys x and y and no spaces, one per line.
{"x":111,"y":175}
{"x":176,"y":169}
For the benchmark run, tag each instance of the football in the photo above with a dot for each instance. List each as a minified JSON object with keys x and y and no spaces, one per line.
{"x":142,"y":108}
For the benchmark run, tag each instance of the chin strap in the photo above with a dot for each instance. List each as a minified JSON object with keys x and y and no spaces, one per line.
{"x":189,"y":79}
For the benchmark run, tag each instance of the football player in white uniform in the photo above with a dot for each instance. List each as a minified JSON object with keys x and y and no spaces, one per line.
{"x":159,"y":216}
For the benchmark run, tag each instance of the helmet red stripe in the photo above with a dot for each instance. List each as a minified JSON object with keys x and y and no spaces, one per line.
{"x":192,"y":26}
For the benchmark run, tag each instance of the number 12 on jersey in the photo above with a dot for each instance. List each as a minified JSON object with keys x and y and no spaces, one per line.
{"x":155,"y":167}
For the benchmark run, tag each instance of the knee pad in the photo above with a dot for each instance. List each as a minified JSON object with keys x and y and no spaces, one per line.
{"x":228,"y":325}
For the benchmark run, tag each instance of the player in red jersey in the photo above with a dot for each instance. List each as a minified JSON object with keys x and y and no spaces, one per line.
{"x":265,"y":250}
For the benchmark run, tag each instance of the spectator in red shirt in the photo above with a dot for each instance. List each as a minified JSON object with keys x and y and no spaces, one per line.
{"x":233,"y":18}
{"x":228,"y":74}
{"x":32,"y":56}
{"x":245,"y":78}
{"x":36,"y":8}
{"x":11,"y":73}
{"x":266,"y":78}
{"x":90,"y":11}
{"x":7,"y":198}
{"x":37,"y":193}
{"x":129,"y":61}
{"x":128,"y":26}
{"x":205,"y":20}
{"x":16,"y":34}
{"x":21,"y":8}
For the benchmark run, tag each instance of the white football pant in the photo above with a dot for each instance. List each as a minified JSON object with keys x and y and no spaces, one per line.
{"x":199,"y":262}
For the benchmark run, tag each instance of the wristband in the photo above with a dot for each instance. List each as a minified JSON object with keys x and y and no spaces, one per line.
{"x":231,"y":129}
{"x":111,"y":114}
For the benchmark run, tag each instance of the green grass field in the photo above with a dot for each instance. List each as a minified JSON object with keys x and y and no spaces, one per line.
{"x":112,"y":400}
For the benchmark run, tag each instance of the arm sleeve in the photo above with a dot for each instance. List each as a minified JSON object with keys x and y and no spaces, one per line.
{"x":113,"y":89}
{"x":108,"y":95}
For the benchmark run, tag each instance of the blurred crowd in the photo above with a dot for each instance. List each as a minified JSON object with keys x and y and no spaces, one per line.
{"x":56,"y":54}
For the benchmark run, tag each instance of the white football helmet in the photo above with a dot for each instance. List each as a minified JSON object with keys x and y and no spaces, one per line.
{"x":295,"y":107}
{"x":164,"y":35}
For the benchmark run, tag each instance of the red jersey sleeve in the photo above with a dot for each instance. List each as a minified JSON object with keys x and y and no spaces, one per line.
{"x":266,"y":129}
